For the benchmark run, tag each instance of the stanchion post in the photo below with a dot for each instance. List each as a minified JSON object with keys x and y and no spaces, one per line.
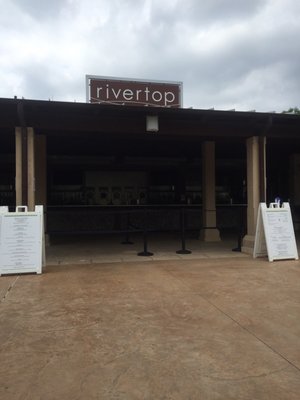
{"x":183,"y":249}
{"x":145,"y":253}
{"x":240,"y":230}
{"x":127,"y":239}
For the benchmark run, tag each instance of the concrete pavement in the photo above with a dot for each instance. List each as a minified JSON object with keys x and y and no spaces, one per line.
{"x":208,"y":328}
{"x":68,"y":250}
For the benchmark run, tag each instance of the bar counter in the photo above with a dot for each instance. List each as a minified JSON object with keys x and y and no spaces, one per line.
{"x":157,"y":217}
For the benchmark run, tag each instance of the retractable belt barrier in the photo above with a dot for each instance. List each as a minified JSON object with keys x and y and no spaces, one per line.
{"x":137,"y":220}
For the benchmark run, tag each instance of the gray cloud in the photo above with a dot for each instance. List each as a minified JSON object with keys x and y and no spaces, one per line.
{"x":206,"y":12}
{"x":40,"y":9}
{"x":228,"y":53}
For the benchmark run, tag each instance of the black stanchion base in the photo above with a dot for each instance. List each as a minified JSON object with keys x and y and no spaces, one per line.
{"x":183,"y":252}
{"x":145,"y":254}
{"x":237,"y":249}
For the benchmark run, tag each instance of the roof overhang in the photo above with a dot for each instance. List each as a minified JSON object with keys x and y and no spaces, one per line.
{"x":52,"y":117}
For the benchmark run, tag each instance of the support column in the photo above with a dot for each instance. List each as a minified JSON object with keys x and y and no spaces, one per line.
{"x":40,"y":170}
{"x":25,"y":167}
{"x":41,"y":176}
{"x":262,"y":169}
{"x":18,"y":181}
{"x":256,"y":187}
{"x":31,"y":169}
{"x":209,"y":232}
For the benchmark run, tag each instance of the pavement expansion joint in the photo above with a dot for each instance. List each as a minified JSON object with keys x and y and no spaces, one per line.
{"x":238,"y":323}
{"x":10,"y":288}
{"x":251,"y":333}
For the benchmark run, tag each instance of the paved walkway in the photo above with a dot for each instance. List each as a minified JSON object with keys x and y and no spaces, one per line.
{"x":207,"y":328}
{"x":67,"y":250}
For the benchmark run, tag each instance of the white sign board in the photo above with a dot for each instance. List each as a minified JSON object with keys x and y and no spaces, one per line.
{"x":21,"y":240}
{"x":275,"y":235}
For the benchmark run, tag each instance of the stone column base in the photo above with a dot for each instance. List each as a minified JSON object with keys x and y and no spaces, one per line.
{"x":210,"y":235}
{"x":248,"y":244}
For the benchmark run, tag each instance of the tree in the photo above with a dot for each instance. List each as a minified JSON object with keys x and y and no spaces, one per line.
{"x":292,"y":110}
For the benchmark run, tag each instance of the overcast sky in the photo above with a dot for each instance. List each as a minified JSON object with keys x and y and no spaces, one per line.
{"x":229,"y":54}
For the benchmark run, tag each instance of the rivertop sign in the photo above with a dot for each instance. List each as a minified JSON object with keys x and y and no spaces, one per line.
{"x":133,"y":92}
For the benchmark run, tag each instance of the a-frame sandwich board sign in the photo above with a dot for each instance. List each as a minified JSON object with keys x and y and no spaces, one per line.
{"x":22,"y":240}
{"x":275,"y":236}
